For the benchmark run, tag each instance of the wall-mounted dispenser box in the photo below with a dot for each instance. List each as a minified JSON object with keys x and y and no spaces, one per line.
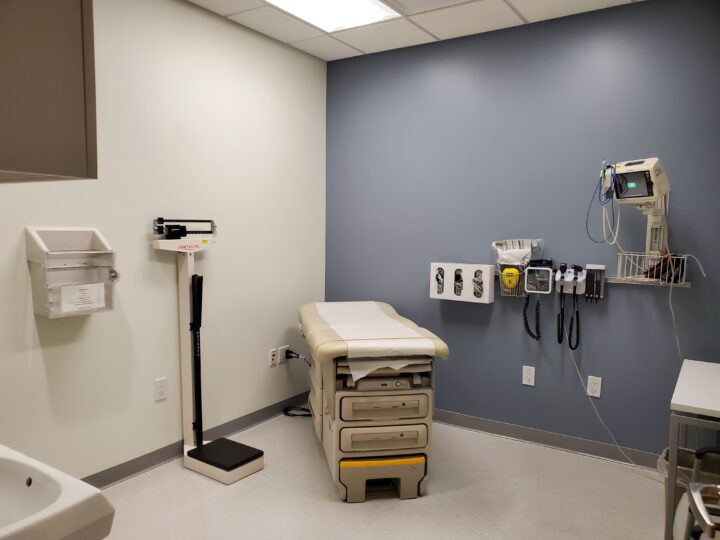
{"x":463,"y":282}
{"x":72,"y":271}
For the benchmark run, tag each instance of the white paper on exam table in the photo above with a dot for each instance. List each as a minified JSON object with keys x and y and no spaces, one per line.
{"x":362,"y":367}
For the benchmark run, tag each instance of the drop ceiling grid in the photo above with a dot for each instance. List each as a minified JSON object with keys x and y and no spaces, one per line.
{"x":334,"y":35}
{"x":390,"y":34}
{"x":469,"y":18}
{"x":276,"y":24}
{"x":337,"y":35}
{"x":408,"y":16}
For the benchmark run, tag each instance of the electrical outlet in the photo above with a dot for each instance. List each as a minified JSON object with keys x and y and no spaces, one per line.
{"x":281,"y":354}
{"x":594,"y":386}
{"x":277,"y":356}
{"x":528,"y":376}
{"x":161,"y":389}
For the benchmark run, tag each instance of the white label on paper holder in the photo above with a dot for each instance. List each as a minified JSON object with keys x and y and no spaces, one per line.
{"x":82,"y":297}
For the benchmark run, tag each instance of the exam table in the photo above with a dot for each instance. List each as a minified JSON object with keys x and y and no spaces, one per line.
{"x":371,"y":394}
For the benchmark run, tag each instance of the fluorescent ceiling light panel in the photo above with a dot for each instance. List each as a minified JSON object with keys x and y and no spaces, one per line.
{"x":333,"y":15}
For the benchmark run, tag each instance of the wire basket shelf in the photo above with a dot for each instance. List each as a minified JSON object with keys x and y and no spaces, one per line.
{"x":651,"y":268}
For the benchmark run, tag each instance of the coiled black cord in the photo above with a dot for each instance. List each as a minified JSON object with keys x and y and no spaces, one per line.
{"x":573,"y":320}
{"x":536,"y":334}
{"x":561,"y":318}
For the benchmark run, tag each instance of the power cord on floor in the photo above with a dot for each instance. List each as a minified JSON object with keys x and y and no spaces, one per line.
{"x":297,"y":412}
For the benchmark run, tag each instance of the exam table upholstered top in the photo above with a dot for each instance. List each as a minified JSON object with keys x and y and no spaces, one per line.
{"x":364,"y":329}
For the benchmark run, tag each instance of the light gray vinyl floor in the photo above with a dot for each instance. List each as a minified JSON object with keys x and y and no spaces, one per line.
{"x":481,"y":486}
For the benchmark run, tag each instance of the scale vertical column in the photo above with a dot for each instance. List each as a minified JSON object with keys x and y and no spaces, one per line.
{"x":186,"y":269}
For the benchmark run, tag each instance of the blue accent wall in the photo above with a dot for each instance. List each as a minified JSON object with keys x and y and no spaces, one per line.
{"x":435,"y":151}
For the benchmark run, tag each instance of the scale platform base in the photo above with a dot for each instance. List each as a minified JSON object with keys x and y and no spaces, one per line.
{"x":224,"y":460}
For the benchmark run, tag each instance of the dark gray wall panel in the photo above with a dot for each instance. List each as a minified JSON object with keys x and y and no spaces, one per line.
{"x":434,"y":151}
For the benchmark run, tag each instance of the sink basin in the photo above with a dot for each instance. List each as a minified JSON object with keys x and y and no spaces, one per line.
{"x":38,"y":502}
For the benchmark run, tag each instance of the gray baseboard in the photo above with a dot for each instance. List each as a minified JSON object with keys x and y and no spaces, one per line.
{"x":546,"y":438}
{"x":172,"y":451}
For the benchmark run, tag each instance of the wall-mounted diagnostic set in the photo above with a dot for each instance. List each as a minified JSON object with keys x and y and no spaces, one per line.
{"x":523,"y":273}
{"x":222,"y":459}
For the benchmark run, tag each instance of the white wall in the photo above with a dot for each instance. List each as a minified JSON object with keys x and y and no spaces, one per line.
{"x":197,"y":117}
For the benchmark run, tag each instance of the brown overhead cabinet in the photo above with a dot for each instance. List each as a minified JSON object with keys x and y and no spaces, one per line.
{"x":47,"y":90}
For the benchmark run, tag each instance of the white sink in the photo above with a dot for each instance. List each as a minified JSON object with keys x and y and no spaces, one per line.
{"x":38,"y":502}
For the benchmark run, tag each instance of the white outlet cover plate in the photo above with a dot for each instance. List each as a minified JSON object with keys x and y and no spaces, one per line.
{"x":528,"y":376}
{"x":281,"y":354}
{"x":594,"y":386}
{"x":161,"y":389}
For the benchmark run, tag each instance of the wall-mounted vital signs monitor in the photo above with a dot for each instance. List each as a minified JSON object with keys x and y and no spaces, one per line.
{"x":639,"y":182}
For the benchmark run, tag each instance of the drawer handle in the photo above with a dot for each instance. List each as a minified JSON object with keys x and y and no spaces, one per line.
{"x":362,"y":437}
{"x":386,"y":405}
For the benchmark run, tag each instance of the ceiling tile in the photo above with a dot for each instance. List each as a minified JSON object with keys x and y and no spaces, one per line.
{"x":411,"y":7}
{"x":471,"y":18}
{"x":228,"y":7}
{"x":384,"y":36}
{"x":326,"y":48}
{"x":534,"y":10}
{"x":276,"y":24}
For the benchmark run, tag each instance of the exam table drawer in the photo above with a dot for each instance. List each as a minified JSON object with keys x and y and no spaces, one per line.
{"x":384,"y":407}
{"x":383,"y":438}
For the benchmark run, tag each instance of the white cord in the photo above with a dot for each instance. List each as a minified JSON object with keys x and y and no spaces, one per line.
{"x":613,"y":234}
{"x":597,"y":413}
{"x":699,"y":264}
{"x":670,"y":304}
{"x":616,"y":241}
{"x":308,"y":362}
{"x":600,"y":418}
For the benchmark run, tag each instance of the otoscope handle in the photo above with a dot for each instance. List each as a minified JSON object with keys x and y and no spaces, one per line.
{"x":560,"y":326}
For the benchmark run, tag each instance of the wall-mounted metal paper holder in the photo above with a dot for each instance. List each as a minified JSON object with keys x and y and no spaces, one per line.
{"x":72,"y":270}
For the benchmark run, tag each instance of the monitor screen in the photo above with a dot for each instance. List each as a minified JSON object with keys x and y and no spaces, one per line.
{"x":633,"y":185}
